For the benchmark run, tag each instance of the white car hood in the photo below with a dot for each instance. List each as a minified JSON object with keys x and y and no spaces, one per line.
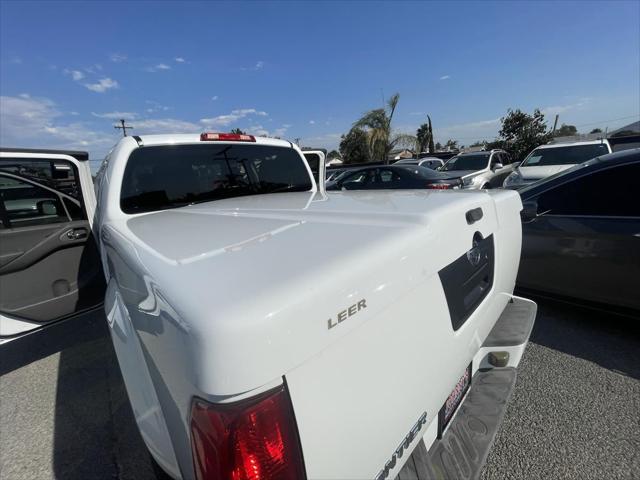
{"x":538,"y":172}
{"x":242,"y":276}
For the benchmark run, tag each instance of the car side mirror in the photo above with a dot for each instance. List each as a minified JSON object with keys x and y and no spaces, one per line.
{"x":47,"y":207}
{"x":529,"y":211}
{"x":497,"y":166}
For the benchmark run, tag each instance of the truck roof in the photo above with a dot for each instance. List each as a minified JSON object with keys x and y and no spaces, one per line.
{"x":561,"y":142}
{"x":78,"y":155}
{"x":171,"y":139}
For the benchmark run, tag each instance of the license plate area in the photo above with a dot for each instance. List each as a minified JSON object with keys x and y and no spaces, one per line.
{"x":453,"y":401}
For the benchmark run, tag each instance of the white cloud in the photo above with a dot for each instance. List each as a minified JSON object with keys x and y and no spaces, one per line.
{"x":180,"y":60}
{"x":329,"y":141}
{"x":158,"y":67}
{"x":445,"y":77}
{"x":558,"y":109}
{"x":116,"y":115}
{"x":76,"y":75}
{"x":258,"y":66}
{"x":155,"y":107}
{"x":93,"y":69}
{"x":234,"y":116}
{"x":36,"y":122}
{"x":214,"y":98}
{"x":118,"y":57}
{"x":312,"y":122}
{"x":165,"y":125}
{"x":103,"y":85}
{"x":261,"y":131}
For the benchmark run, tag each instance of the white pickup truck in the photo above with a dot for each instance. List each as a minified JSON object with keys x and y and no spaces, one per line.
{"x":264,"y":328}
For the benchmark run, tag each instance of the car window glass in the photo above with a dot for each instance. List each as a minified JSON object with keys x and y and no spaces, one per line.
{"x":57,"y":174}
{"x":161,"y":177}
{"x":474,"y":161}
{"x":73,"y":209}
{"x":363,"y":177}
{"x":564,"y":155}
{"x":26,"y":204}
{"x":610,"y":192}
{"x":389,"y":176}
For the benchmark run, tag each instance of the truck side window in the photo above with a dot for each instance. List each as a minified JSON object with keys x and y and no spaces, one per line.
{"x":584,"y":195}
{"x":26,"y":204}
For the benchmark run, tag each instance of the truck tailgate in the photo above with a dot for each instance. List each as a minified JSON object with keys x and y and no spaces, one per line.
{"x":371,"y":394}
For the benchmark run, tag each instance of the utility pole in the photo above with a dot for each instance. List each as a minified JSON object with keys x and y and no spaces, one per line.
{"x":555,"y":124}
{"x":123,"y":127}
{"x":297,"y":141}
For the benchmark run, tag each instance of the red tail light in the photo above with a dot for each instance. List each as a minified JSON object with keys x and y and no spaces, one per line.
{"x":222,"y":137}
{"x":440,"y":186}
{"x":254,"y":439}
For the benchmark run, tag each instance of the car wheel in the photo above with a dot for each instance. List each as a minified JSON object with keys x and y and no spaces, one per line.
{"x":486,"y":186}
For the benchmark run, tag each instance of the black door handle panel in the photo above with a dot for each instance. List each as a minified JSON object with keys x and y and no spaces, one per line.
{"x":74,"y":234}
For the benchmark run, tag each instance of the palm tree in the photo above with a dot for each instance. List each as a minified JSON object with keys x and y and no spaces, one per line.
{"x":424,"y":137}
{"x":377,"y":123}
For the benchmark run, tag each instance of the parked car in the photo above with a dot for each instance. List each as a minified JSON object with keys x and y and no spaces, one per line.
{"x":263,"y":326}
{"x":334,"y":173}
{"x":394,"y":177}
{"x":581,"y":232}
{"x":480,"y":170}
{"x":552,"y":158}
{"x":428,"y":162}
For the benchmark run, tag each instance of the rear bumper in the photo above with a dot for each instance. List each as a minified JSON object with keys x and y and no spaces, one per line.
{"x":465,"y":445}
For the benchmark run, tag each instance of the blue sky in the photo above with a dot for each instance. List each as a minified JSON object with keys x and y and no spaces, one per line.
{"x":69,"y":70}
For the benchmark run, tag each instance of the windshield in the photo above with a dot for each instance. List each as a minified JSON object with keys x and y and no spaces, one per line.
{"x":564,"y":155}
{"x":467,"y":162}
{"x":163,"y":177}
{"x":541,"y":184}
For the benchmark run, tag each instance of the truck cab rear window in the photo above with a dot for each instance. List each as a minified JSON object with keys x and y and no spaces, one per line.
{"x":162,"y":177}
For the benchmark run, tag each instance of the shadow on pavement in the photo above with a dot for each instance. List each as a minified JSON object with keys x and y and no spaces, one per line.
{"x":95,"y":434}
{"x":610,"y":341}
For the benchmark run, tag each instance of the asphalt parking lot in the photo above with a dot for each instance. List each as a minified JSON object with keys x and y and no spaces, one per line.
{"x":575,"y":412}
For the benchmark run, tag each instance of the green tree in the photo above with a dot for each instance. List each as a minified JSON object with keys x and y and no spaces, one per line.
{"x":451,"y":145}
{"x":520,"y":132}
{"x":333,"y":154}
{"x":565,"y":131}
{"x":596,"y":130}
{"x":438,"y":146}
{"x":238,"y":131}
{"x":377,"y":124}
{"x":354,"y":146}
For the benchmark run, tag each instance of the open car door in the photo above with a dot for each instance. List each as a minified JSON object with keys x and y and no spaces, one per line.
{"x":316,"y":161}
{"x":49,"y":262}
